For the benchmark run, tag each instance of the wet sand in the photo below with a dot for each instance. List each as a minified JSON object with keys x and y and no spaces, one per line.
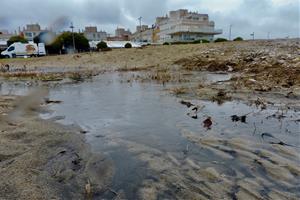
{"x":267,"y":69}
{"x":41,"y":158}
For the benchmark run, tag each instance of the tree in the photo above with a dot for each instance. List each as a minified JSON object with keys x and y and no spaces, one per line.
{"x":64,"y":42}
{"x":17,"y":38}
{"x":128,"y":45}
{"x":238,"y":39}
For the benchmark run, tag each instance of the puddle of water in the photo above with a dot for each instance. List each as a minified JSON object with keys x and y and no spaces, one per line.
{"x":137,"y":125}
{"x":13,"y":88}
{"x":209,"y":77}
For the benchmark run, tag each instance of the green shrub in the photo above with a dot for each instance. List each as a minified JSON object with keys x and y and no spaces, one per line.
{"x":221,"y":40}
{"x":102,"y":45}
{"x":180,"y":42}
{"x":238,"y":39}
{"x":128,"y":45}
{"x":17,"y":38}
{"x":166,"y":43}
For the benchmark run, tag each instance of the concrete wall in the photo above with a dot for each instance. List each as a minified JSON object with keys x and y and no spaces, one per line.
{"x":95,"y":36}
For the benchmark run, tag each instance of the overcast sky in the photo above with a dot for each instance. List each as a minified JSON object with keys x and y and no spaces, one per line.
{"x":279,"y":17}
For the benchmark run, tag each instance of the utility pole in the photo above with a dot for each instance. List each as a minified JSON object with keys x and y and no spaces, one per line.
{"x":268,"y":35}
{"x":230,"y":27}
{"x":140,"y":19}
{"x":72,"y":28}
{"x":252,"y":34}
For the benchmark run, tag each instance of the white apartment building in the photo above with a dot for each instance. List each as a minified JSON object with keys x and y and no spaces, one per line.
{"x":31,"y":31}
{"x":182,"y":25}
{"x":143,"y":34}
{"x":92,"y":34}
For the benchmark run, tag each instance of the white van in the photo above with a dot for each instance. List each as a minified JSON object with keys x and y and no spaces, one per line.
{"x":19,"y":49}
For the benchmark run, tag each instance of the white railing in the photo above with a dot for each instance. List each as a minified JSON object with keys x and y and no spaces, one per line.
{"x":206,"y":30}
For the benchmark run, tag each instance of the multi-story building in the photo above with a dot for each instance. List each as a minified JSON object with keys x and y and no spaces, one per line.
{"x":31,"y":31}
{"x":4,"y":37}
{"x":143,"y":34}
{"x":119,"y":32}
{"x":92,"y":34}
{"x":120,"y":35}
{"x":182,"y":25}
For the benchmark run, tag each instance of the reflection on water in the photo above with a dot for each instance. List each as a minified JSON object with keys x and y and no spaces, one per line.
{"x":160,"y":152}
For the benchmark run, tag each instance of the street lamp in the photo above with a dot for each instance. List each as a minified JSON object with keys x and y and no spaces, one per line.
{"x":72,"y":28}
{"x":230,"y":27}
{"x":252,"y":34}
{"x":140,"y":19}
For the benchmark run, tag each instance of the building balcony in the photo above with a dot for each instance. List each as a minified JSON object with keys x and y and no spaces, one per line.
{"x":189,"y":29}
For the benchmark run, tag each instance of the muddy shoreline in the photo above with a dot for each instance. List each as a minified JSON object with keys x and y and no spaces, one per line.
{"x":259,"y":69}
{"x":41,"y":159}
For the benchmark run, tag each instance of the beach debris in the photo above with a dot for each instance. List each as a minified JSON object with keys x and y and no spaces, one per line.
{"x":276,"y":115}
{"x":186,"y":150}
{"x":100,"y":136}
{"x":252,"y":80}
{"x":186,"y":103}
{"x":221,"y":97}
{"x":62,"y":152}
{"x":236,"y":118}
{"x":269,"y":138}
{"x":230,"y":69}
{"x":296,"y":120}
{"x":88,"y":189}
{"x":291,"y":95}
{"x":83,"y":131}
{"x":207,"y":123}
{"x":4,"y":68}
{"x":261,"y":103}
{"x":7,"y":67}
{"x":221,"y":93}
{"x":113,"y":191}
{"x":193,"y":109}
{"x":48,"y":101}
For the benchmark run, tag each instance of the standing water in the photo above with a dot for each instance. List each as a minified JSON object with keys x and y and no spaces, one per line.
{"x":159,"y":151}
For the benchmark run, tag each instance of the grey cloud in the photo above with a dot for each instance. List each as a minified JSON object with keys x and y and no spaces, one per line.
{"x":260,"y":16}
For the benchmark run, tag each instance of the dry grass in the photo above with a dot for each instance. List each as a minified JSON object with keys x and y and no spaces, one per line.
{"x":135,"y":69}
{"x":179,"y":90}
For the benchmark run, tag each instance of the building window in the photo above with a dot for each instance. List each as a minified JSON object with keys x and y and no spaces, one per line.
{"x":28,"y":34}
